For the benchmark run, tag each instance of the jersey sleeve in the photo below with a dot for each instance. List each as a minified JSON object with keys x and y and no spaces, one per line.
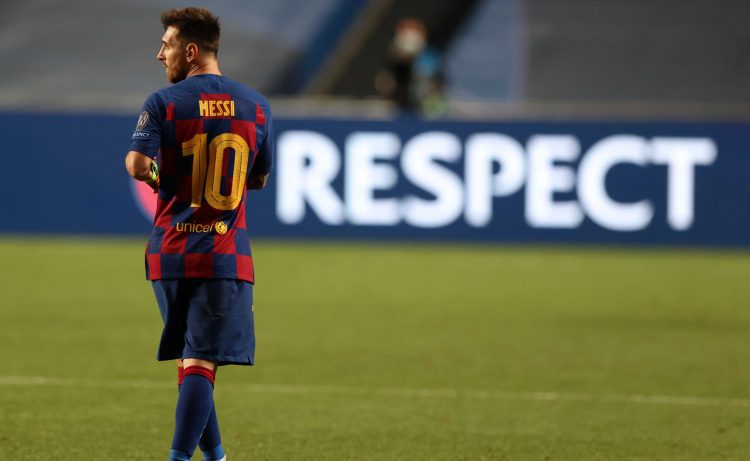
{"x":147,"y":136}
{"x":266,"y":149}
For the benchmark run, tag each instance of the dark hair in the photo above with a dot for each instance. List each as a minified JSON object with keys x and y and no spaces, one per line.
{"x":196,"y":25}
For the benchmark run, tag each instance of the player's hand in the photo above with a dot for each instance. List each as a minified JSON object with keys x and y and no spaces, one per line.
{"x":153,"y":180}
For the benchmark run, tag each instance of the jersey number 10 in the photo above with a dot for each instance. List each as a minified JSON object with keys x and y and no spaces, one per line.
{"x":208,"y":163}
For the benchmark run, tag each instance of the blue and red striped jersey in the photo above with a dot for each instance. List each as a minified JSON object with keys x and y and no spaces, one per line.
{"x":207,"y":134}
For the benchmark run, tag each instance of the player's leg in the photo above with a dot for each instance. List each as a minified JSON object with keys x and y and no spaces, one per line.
{"x":173,"y":297}
{"x":236,"y":321}
{"x":220,"y":329}
{"x":210,"y":442}
{"x":194,"y":407}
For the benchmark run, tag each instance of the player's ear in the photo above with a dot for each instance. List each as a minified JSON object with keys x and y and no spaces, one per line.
{"x":191,"y":51}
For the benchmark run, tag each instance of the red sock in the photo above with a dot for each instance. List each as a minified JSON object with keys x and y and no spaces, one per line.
{"x":199,"y":370}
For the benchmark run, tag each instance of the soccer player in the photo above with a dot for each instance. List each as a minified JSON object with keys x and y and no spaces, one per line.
{"x":201,"y":143}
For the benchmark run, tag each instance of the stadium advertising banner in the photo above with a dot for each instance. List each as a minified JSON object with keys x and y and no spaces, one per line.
{"x":599,"y":182}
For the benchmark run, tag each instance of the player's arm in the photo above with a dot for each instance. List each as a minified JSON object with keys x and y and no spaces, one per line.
{"x":258,"y":176}
{"x":145,"y":142}
{"x":143,"y":168}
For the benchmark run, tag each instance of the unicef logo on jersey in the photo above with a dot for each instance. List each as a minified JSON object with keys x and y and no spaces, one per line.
{"x":219,"y":226}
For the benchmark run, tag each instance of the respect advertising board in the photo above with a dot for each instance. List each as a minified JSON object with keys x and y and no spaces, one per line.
{"x":525,"y":181}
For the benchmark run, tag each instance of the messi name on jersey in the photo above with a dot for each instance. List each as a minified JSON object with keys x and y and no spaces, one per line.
{"x":216,"y":106}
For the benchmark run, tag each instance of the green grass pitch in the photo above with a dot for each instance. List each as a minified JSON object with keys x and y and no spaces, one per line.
{"x":391,"y":352}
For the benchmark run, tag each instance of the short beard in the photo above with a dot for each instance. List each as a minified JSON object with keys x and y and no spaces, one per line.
{"x":180,"y":73}
{"x":176,"y":78}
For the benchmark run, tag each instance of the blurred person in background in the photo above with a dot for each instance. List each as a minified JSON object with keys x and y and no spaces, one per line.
{"x":414,"y":78}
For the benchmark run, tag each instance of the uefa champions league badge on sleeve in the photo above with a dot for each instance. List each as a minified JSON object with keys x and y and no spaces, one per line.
{"x":142,"y":121}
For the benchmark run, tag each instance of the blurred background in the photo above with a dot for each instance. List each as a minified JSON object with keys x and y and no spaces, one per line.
{"x":495,"y":57}
{"x":524,"y":120}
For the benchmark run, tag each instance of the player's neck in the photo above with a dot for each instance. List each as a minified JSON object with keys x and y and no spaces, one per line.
{"x":210,"y":67}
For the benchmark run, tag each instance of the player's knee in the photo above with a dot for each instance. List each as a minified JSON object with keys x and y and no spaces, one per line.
{"x":186,"y":363}
{"x":204,"y":368}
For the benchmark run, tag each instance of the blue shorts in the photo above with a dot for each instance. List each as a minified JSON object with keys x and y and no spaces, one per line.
{"x":210,"y":319}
